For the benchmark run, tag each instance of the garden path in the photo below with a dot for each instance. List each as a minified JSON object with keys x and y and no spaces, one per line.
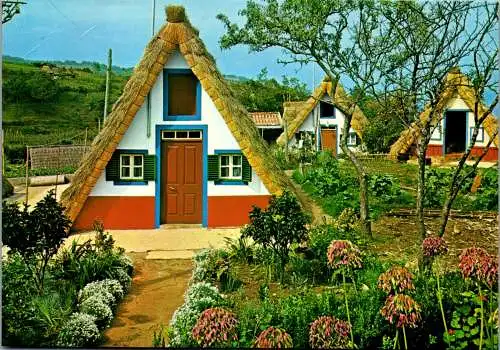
{"x":317,"y":213}
{"x":157,"y":291}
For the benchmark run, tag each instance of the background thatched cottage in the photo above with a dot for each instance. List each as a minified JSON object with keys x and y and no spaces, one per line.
{"x":194,"y":156}
{"x":319,"y":117}
{"x":454,"y":125}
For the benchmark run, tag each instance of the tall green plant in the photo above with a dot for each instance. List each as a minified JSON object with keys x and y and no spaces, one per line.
{"x":278,"y":226}
{"x":35,"y":235}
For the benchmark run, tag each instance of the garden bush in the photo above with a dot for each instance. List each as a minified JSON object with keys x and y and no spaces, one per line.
{"x":79,"y":331}
{"x":98,"y":307}
{"x":216,"y":327}
{"x":7,"y":188}
{"x":98,"y":290}
{"x":274,"y":338}
{"x":278,"y":226}
{"x":329,"y":332}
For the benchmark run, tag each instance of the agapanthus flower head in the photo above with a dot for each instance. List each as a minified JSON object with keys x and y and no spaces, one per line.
{"x":434,"y":246}
{"x":273,"y":338}
{"x":328,"y":332}
{"x":342,"y":254}
{"x":215,"y":327}
{"x":476,"y":263}
{"x":402,"y":310}
{"x":396,"y":280}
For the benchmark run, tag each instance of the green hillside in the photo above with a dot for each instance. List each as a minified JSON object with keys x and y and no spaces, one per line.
{"x":48,"y":104}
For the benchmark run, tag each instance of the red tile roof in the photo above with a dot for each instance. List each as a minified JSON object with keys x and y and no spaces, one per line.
{"x":266,"y":118}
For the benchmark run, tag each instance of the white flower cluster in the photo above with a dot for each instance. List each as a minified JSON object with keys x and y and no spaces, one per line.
{"x":199,"y":297}
{"x":79,"y":331}
{"x":121,"y":276}
{"x":126,"y":263}
{"x":97,"y":289}
{"x":95,"y":306}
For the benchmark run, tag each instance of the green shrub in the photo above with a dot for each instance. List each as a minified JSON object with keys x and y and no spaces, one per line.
{"x":79,"y":331}
{"x":7,"y":188}
{"x":97,"y":290}
{"x":278,"y":226}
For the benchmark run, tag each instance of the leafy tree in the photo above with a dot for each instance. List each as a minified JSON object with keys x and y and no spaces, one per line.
{"x":278,"y":227}
{"x":336,"y":35}
{"x":35,"y":235}
{"x":42,"y":87}
{"x":429,"y":39}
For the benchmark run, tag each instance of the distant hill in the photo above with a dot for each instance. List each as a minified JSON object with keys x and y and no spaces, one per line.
{"x":94,"y":66}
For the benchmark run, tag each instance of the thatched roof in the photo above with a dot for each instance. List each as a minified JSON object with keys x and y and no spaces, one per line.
{"x":296,"y":113}
{"x":457,"y":86}
{"x":176,"y":34}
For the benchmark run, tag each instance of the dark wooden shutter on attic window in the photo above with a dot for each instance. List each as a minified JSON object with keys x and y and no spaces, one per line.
{"x":149,"y":167}
{"x":113,"y":168}
{"x":213,"y":167}
{"x":247,"y":170}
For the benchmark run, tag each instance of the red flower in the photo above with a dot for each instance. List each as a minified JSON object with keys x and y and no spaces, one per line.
{"x":396,"y":280}
{"x":342,"y":253}
{"x":451,"y":331}
{"x":434,"y":246}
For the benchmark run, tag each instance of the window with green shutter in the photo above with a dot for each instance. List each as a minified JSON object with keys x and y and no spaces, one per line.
{"x":230,"y":168}
{"x":131,"y":167}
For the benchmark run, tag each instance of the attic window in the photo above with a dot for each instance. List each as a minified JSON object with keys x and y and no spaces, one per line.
{"x":352,"y":139}
{"x":182,"y":93}
{"x":326,"y":110}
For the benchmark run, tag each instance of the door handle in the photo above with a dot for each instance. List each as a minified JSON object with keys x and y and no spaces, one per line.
{"x":171,"y":188}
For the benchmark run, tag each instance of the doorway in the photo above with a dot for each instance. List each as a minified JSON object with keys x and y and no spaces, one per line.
{"x":455,"y":136}
{"x":181,"y":181}
{"x":329,"y":140}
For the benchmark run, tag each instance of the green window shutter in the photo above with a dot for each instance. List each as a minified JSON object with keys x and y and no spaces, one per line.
{"x":149,"y":167}
{"x":213,"y":167}
{"x":113,"y":167}
{"x":246,"y":169}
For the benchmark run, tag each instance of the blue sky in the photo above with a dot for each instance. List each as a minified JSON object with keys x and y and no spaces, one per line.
{"x":83,"y":30}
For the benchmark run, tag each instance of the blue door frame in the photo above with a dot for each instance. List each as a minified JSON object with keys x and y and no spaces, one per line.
{"x":204,"y":198}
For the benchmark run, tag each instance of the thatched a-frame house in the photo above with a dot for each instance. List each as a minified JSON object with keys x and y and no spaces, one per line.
{"x":304,"y":116}
{"x":454,"y":124}
{"x":192,"y":155}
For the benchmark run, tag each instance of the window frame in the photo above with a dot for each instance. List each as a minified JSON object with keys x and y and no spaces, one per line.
{"x":349,"y":143}
{"x":480,"y":135}
{"x":231,"y":166}
{"x":166,"y":117}
{"x":131,"y":167}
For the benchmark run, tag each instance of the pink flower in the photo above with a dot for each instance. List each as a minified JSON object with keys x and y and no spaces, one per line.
{"x":396,"y":280}
{"x":273,"y":338}
{"x":476,"y":263}
{"x":434,"y":246}
{"x":329,"y":332}
{"x":214,"y":327}
{"x":342,"y":253}
{"x":402,"y":308}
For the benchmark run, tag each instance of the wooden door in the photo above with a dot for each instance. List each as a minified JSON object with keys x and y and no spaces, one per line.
{"x":329,"y":140}
{"x":181,"y":179}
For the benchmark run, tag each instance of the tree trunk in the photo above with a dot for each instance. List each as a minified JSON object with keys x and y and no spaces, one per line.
{"x":421,"y":149}
{"x":364,"y":210}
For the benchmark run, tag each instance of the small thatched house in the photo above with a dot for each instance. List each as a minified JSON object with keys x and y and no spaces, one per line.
{"x":453,"y":125}
{"x":269,"y":124}
{"x":319,"y":117}
{"x":192,"y":155}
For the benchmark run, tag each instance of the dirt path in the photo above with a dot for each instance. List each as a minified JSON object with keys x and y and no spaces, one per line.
{"x":157,"y":291}
{"x":318,"y":215}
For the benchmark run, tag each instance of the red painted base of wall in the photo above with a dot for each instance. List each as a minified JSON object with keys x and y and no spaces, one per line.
{"x":434,"y":151}
{"x":232,"y":210}
{"x":117,"y":213}
{"x":490,"y":156}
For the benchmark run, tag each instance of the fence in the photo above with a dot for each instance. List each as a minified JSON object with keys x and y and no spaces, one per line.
{"x":56,"y":157}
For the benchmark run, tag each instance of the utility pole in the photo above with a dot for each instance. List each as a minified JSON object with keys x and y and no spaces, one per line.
{"x":148,"y":116}
{"x":108,"y":78}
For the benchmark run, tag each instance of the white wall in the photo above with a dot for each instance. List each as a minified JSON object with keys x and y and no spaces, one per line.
{"x":338,"y":121}
{"x":219,"y":137}
{"x":459,"y":104}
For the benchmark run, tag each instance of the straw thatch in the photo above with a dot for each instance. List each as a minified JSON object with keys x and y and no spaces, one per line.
{"x":457,"y":86}
{"x":170,"y":37}
{"x":296,"y":113}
